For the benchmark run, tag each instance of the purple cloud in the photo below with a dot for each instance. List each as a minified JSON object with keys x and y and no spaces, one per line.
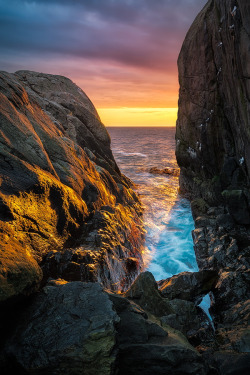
{"x":122,"y":39}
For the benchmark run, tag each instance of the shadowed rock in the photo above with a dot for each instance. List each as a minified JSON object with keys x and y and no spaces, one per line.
{"x":69,"y":329}
{"x":213,"y":152}
{"x":144,"y":291}
{"x":147,"y":346}
{"x":212,"y":134}
{"x":77,"y":328}
{"x":189,"y":286}
{"x":173,"y":311}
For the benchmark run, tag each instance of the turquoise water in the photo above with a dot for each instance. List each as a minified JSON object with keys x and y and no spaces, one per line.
{"x":167,"y":216}
{"x":173,"y":252}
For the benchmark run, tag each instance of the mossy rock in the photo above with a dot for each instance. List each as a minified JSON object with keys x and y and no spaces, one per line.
{"x":199,"y":206}
{"x":237,"y":205}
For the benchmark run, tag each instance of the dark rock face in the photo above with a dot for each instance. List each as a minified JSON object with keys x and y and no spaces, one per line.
{"x":69,"y":328}
{"x":213,"y":152}
{"x":61,"y":190}
{"x":147,"y":342}
{"x":78,"y":328}
{"x":224,"y":248}
{"x":144,"y":291}
{"x":190,"y":286}
{"x":173,"y":310}
{"x":213,"y":135}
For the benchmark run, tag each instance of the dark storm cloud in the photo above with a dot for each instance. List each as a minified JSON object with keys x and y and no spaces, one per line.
{"x":140,"y":33}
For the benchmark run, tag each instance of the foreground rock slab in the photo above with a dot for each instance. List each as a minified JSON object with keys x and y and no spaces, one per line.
{"x":148,"y":346}
{"x":189,"y":286}
{"x":69,"y":329}
{"x":180,"y":314}
{"x":75,"y":328}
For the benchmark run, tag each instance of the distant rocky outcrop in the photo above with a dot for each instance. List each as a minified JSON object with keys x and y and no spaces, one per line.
{"x":213,"y":152}
{"x":165,"y":171}
{"x":65,"y":208}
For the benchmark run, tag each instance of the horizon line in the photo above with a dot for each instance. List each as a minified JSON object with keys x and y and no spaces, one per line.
{"x":140,"y":126}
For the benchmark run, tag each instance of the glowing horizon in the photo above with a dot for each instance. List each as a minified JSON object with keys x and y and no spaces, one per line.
{"x":138,"y":116}
{"x":123,"y":54}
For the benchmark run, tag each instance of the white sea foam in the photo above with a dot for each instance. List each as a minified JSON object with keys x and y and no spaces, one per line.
{"x":132,"y":154}
{"x":167,"y":216}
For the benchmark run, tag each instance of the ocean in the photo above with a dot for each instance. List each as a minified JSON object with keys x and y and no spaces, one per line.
{"x":167,"y":215}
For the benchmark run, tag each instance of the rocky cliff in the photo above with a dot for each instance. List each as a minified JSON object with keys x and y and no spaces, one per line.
{"x":69,"y":218}
{"x":213,"y":152}
{"x":213,"y":132}
{"x":66,"y":210}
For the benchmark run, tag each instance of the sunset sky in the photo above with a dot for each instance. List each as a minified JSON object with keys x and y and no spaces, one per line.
{"x":122,"y":53}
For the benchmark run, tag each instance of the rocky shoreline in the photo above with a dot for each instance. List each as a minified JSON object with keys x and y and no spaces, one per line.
{"x":66,"y":209}
{"x":72,"y":232}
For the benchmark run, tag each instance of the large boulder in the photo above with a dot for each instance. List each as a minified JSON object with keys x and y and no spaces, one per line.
{"x":213,"y":152}
{"x":172,"y":311}
{"x":189,"y":286}
{"x":60,"y":188}
{"x":69,"y":328}
{"x":144,"y":291}
{"x":77,"y":328}
{"x":147,"y":346}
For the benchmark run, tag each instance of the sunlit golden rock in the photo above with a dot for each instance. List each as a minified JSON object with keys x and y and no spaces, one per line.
{"x":166,"y":171}
{"x":60,"y":187}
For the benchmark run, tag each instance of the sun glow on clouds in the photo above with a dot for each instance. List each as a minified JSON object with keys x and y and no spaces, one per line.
{"x":138,"y":116}
{"x":121,"y":53}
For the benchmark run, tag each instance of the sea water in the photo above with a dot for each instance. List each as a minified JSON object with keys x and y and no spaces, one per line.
{"x":167,"y":215}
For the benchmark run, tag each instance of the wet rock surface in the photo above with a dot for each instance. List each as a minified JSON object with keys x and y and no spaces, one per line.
{"x":225,"y":249}
{"x":173,"y":311}
{"x":146,"y":346}
{"x":212,"y":149}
